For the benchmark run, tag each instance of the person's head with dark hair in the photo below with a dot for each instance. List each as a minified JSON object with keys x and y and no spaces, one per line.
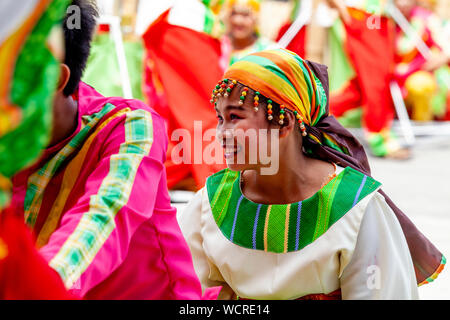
{"x":78,"y":26}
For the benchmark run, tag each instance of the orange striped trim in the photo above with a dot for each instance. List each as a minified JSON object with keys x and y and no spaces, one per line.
{"x":435,"y":274}
{"x":266,"y":227}
{"x":286,"y":227}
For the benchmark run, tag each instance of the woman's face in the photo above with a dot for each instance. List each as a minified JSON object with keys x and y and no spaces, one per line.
{"x":242,"y":22}
{"x":241,"y":131}
{"x":405,"y":6}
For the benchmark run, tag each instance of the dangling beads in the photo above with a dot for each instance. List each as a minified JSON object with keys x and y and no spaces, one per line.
{"x":243,"y":95}
{"x":256,"y":101}
{"x":282,"y":111}
{"x":223,"y":88}
{"x":225,"y":91}
{"x":215,"y":93}
{"x":230,"y":87}
{"x":269,"y":110}
{"x":301,"y":123}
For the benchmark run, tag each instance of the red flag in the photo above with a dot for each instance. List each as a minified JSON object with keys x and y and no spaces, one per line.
{"x":186,"y":63}
{"x":24,"y":274}
{"x":371,"y":51}
{"x":298,"y":43}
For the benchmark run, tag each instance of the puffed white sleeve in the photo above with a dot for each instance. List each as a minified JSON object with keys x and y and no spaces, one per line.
{"x":381,"y":266}
{"x":190,"y":224}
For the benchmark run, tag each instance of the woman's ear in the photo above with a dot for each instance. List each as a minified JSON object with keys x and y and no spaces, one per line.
{"x":64,"y":76}
{"x":288,"y":125}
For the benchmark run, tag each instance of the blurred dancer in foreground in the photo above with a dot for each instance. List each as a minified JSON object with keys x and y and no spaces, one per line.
{"x":97,"y":198}
{"x":31,"y":43}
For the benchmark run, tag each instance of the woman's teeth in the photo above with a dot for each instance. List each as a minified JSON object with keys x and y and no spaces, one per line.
{"x":230,"y":152}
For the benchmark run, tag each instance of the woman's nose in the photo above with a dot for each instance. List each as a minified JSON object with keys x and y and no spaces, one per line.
{"x":223,"y":134}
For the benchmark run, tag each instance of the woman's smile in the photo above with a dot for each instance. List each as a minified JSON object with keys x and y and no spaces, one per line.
{"x":231,"y":150}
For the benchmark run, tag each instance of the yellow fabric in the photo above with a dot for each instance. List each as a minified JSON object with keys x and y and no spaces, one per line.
{"x":255,"y":5}
{"x":421,"y":86}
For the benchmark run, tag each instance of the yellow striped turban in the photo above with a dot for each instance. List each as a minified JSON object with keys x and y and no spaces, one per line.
{"x":285,"y":78}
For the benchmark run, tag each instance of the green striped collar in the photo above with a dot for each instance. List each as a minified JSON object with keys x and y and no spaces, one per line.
{"x":282,"y":228}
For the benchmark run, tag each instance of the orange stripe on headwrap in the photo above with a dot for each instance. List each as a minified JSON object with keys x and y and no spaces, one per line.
{"x":282,"y":76}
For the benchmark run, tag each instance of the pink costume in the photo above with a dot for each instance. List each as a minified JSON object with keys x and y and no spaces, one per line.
{"x":99,"y":207}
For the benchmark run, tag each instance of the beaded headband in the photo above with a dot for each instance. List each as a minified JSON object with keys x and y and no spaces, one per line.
{"x":226,"y":86}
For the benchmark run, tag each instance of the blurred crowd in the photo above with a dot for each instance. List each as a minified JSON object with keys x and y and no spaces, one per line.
{"x":369,"y":47}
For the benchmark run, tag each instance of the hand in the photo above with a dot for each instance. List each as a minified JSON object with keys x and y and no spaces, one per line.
{"x":340,"y":6}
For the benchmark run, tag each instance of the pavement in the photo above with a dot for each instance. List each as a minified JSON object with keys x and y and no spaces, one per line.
{"x":420,"y":186}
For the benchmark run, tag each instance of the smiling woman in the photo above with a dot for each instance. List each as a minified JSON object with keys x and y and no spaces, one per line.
{"x":248,"y":139}
{"x":319,"y":227}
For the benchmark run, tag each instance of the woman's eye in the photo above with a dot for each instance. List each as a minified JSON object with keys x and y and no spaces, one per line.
{"x":219,"y":118}
{"x":234,"y":117}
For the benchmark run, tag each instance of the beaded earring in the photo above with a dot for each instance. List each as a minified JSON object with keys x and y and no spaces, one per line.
{"x":269,"y":110}
{"x":256,"y":101}
{"x":281,"y":122}
{"x":301,"y":123}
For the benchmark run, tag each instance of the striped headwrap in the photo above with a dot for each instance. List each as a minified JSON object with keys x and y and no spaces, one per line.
{"x":302,"y":86}
{"x":285,"y":78}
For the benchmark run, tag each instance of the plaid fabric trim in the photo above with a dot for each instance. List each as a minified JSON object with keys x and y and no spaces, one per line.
{"x":75,"y":165}
{"x":39,"y":180}
{"x":96,"y":225}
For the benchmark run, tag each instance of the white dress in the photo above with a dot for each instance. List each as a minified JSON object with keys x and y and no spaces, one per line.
{"x":343,"y":238}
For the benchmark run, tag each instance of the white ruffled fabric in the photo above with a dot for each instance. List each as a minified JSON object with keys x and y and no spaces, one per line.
{"x":364,"y":254}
